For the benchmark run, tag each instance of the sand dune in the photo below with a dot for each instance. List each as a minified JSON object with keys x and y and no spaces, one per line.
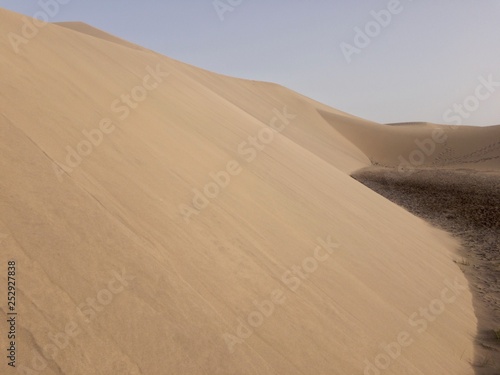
{"x":96,"y":183}
{"x":92,"y":31}
{"x":418,"y":145}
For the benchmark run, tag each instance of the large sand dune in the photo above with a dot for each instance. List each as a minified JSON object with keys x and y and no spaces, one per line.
{"x":84,"y":198}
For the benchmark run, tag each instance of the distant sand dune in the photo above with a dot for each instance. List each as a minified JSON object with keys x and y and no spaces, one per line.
{"x":415,"y":123}
{"x":425,"y":145}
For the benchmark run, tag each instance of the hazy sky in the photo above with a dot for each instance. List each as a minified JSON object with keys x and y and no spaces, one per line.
{"x":420,"y":57}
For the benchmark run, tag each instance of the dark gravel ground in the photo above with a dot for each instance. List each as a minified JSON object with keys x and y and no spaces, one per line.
{"x":465,"y":203}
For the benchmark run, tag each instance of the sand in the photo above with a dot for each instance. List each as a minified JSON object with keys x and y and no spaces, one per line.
{"x":283,"y":264}
{"x":466,"y":203}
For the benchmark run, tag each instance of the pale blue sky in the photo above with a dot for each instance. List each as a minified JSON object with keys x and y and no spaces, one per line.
{"x":429,"y":56}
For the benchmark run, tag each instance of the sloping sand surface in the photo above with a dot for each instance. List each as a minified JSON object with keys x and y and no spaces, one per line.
{"x":113,"y":271}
